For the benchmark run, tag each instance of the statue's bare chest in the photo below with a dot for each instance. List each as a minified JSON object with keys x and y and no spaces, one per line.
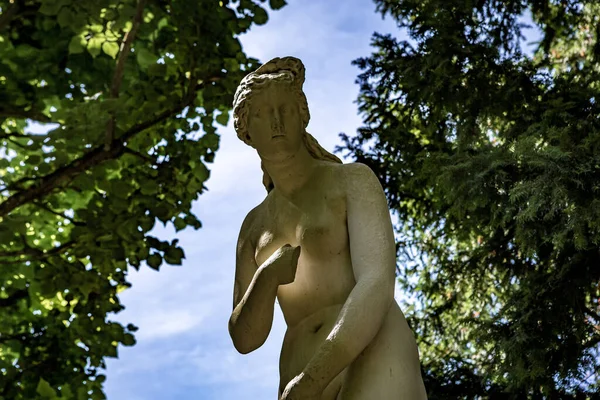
{"x":316,"y":220}
{"x":317,"y":223}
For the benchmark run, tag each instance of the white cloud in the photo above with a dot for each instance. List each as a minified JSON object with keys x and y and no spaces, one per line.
{"x":168,"y":322}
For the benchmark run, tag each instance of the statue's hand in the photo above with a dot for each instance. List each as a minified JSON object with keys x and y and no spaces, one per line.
{"x":283,"y":263}
{"x":302,"y":387}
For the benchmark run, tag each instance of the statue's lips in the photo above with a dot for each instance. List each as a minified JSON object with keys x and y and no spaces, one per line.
{"x":277,"y":136}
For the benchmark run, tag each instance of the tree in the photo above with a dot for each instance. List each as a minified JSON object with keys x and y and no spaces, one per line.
{"x":490,"y":159}
{"x":128,"y":93}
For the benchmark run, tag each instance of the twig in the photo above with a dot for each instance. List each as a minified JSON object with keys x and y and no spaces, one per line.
{"x":8,"y":135}
{"x":140,"y":155}
{"x":66,"y":174}
{"x":17,"y":253}
{"x":22,"y":114}
{"x":28,"y":250}
{"x":592,"y":314}
{"x":8,"y":14}
{"x":120,"y":68}
{"x":16,"y":184}
{"x":45,"y":207}
{"x":17,"y":144}
{"x":584,"y":380}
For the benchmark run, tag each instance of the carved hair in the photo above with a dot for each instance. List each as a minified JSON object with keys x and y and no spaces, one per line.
{"x":289,"y":70}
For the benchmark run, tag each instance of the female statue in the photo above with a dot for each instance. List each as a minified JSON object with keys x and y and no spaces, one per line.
{"x":322,"y":243}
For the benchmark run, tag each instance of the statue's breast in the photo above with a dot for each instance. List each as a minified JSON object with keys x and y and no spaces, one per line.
{"x":322,"y":230}
{"x":319,"y":226}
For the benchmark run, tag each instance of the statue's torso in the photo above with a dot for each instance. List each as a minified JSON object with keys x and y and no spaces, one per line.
{"x":316,"y":220}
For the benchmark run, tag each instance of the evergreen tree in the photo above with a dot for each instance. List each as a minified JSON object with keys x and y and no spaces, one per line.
{"x":490,"y":159}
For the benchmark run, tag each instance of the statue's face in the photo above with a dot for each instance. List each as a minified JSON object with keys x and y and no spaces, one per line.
{"x":274,"y":122}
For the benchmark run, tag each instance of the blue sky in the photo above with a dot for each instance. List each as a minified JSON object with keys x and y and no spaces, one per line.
{"x":183,"y":349}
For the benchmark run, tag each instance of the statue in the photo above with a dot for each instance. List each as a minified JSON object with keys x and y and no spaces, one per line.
{"x":322,"y":243}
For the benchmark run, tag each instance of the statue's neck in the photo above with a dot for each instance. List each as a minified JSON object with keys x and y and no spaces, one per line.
{"x":290,"y":175}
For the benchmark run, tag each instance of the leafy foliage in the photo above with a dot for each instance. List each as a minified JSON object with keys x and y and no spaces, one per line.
{"x":128,"y":93}
{"x":491,"y":160}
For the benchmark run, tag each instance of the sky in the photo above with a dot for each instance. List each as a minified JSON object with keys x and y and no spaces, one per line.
{"x":183,"y":348}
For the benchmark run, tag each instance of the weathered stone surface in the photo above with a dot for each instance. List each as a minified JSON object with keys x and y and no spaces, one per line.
{"x":322,"y":243}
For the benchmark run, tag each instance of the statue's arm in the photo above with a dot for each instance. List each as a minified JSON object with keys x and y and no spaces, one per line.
{"x":254,"y":295}
{"x":372,"y":249}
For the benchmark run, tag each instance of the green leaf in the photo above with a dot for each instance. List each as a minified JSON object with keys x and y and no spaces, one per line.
{"x":210,"y":140}
{"x":45,"y":390}
{"x":144,"y":57}
{"x":128,"y":339}
{"x":260,"y":16}
{"x":148,"y":186}
{"x":66,"y":392}
{"x":179,"y":224}
{"x":65,"y":17}
{"x":223,"y":118}
{"x":34,"y":159}
{"x":174,"y":255}
{"x":110,"y":48}
{"x":277,"y":4}
{"x":25,"y":51}
{"x":154,"y":261}
{"x":50,"y":7}
{"x":121,"y":188}
{"x":200,"y":171}
{"x":94,"y":45}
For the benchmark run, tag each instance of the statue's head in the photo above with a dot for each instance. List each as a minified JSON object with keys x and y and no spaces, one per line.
{"x":279,"y":74}
{"x":270,"y":102}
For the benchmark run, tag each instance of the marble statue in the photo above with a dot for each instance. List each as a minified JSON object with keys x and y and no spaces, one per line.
{"x":322,"y":244}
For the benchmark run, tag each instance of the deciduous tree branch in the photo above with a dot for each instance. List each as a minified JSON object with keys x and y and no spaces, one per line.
{"x":120,"y":68}
{"x":66,"y":174}
{"x":140,"y":155}
{"x":17,"y":184}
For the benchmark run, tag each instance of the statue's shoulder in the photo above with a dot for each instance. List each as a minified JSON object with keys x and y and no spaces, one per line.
{"x":254,"y":220}
{"x":356,"y":168}
{"x":354,"y":174}
{"x":248,"y":226}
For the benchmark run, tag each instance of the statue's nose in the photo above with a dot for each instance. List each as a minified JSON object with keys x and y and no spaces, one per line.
{"x":276,"y":124}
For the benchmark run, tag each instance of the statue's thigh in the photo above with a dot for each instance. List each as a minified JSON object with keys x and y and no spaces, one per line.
{"x":378,"y":383}
{"x":388,"y":369}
